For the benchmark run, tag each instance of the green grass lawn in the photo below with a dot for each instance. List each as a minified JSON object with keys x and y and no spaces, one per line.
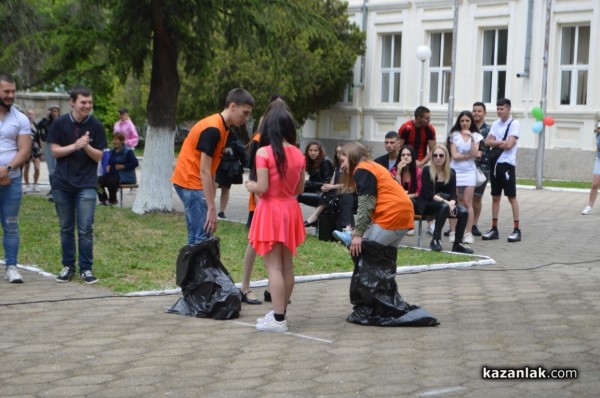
{"x":133,"y":252}
{"x":556,"y":183}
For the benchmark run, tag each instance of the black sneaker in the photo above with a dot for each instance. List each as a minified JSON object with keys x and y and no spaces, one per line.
{"x":475,"y":231}
{"x":461,"y":248}
{"x":65,"y":275}
{"x":88,"y":277}
{"x":435,"y":245}
{"x":221,"y":215}
{"x":447,"y":233}
{"x":515,"y":236}
{"x":491,"y":234}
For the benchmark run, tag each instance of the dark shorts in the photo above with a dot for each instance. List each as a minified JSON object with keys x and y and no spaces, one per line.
{"x":504,"y":180}
{"x":481,"y":189}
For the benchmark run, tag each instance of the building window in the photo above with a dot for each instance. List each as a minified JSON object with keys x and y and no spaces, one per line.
{"x":391,"y":48}
{"x":348,"y":95}
{"x":494,"y":64}
{"x":440,"y":67}
{"x":574,"y":65}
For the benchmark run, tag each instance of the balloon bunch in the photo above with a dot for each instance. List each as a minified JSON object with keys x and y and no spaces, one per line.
{"x":541,"y":120}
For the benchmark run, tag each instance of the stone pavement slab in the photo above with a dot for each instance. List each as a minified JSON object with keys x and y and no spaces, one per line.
{"x":538,"y":306}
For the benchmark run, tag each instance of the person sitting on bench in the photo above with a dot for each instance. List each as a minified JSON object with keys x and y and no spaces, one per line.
{"x":119,"y":170}
{"x":320,"y":170}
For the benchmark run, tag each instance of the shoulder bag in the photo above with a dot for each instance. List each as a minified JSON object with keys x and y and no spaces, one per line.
{"x":496,"y":152}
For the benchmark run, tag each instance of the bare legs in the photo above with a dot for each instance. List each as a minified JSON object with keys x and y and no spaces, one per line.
{"x":594,"y":190}
{"x":36,"y":171}
{"x":315,"y":214}
{"x":249,"y":259}
{"x":224,"y":199}
{"x":280,"y":268}
{"x":477,"y":205}
{"x":467,"y":202}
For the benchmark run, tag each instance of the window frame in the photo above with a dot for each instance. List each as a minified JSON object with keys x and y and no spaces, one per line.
{"x":575,"y":68}
{"x":496,"y":70}
{"x":394,"y":73}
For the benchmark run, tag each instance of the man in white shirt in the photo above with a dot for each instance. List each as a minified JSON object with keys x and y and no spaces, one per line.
{"x":15,"y":147}
{"x":503,"y":135}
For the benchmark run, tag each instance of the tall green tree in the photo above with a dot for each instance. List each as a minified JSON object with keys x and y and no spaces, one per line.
{"x":184,"y":36}
{"x":311,"y":71}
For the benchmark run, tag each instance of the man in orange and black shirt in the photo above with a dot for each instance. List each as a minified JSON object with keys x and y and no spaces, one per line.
{"x":419,"y":134}
{"x":197,"y":163}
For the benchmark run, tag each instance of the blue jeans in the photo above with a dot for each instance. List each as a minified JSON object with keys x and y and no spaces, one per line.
{"x":194,"y":204}
{"x":10,"y":202}
{"x":77,"y":206}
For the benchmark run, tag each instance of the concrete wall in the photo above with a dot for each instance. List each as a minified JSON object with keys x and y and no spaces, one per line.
{"x":40,"y":102}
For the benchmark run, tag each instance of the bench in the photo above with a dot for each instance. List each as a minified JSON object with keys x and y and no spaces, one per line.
{"x":125,"y":186}
{"x":419,"y":219}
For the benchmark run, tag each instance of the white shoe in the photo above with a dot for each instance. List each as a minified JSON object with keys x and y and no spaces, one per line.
{"x":271,"y":325}
{"x":452,"y":237}
{"x":431,"y":228}
{"x":411,"y":233}
{"x":587,"y":211}
{"x":12,"y":275}
{"x":28,"y":188}
{"x":36,"y":188}
{"x":468,"y":238}
{"x":268,"y":316}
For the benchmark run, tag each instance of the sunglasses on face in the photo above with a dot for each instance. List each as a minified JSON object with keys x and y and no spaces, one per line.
{"x":439,"y":155}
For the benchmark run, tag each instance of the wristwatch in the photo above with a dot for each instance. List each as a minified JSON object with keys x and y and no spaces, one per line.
{"x":8,"y":167}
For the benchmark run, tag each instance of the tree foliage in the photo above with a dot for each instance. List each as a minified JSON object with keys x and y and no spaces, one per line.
{"x":304,"y":49}
{"x":310,"y":68}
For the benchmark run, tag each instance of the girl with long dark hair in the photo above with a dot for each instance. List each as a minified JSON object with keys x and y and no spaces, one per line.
{"x":277,"y":228}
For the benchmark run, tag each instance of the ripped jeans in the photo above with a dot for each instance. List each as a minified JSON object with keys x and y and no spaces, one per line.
{"x":10,"y":203}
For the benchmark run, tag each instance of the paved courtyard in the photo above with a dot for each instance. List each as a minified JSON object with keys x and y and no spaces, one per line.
{"x":539,"y":305}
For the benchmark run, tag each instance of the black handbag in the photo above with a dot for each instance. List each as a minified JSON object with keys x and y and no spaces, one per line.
{"x":496,"y":152}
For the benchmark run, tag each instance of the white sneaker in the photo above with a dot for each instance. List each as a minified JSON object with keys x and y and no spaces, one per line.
{"x":28,"y":188}
{"x":36,"y":188}
{"x":431,"y":228}
{"x":271,"y":325}
{"x":268,"y":316}
{"x":587,"y":211}
{"x":468,"y":238}
{"x":411,"y":233}
{"x":452,"y":237}
{"x":12,"y":275}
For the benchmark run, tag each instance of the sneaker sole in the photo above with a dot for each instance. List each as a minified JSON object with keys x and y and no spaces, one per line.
{"x":263,"y":328}
{"x":62,"y":280}
{"x":488,"y":238}
{"x":14,"y":280}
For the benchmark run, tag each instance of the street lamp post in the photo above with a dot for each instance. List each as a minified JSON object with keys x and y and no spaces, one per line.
{"x":423,"y":53}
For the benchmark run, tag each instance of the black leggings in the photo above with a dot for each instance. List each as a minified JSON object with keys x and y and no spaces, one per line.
{"x":441,"y":212}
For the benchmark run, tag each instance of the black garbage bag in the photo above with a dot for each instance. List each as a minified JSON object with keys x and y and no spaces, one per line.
{"x":208,"y":290}
{"x":374,"y":292}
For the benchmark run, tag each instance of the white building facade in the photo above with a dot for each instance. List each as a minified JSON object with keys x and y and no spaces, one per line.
{"x":499,"y":47}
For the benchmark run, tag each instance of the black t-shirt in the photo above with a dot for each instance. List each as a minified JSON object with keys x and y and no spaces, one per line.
{"x":77,"y":170}
{"x":208,"y":140}
{"x":366,"y":182}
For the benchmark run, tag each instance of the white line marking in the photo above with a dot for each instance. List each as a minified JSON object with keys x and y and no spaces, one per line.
{"x":440,"y":391}
{"x":303,"y":336}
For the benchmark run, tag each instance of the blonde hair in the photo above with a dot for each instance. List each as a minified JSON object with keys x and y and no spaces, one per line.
{"x":446,"y":166}
{"x":355,"y":152}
